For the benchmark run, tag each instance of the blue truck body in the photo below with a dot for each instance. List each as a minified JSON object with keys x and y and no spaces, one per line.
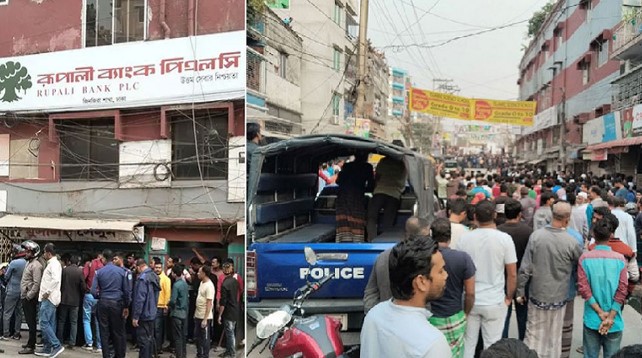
{"x":285,"y":215}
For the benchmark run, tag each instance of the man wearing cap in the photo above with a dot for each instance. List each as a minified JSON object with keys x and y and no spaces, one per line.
{"x":579,"y":221}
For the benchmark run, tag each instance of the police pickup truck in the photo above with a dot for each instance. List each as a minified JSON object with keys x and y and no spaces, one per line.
{"x":285,"y":214}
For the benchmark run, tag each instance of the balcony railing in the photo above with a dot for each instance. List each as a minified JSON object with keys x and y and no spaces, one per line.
{"x":627,"y":33}
{"x":255,"y":71}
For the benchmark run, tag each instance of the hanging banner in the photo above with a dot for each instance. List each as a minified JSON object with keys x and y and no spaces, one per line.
{"x":135,"y":74}
{"x":518,"y":113}
{"x":439,"y":104}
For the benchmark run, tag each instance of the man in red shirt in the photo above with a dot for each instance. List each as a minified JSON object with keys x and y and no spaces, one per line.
{"x":89,"y":271}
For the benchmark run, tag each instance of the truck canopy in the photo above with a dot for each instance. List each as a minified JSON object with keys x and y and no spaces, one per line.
{"x":296,"y":161}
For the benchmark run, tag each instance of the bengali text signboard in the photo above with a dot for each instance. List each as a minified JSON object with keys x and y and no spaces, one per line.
{"x":519,"y":113}
{"x":183,"y":70}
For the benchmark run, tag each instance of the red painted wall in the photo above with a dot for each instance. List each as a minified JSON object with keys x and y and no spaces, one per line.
{"x":47,"y":153}
{"x":36,"y":26}
{"x":141,"y":126}
{"x":30,"y":26}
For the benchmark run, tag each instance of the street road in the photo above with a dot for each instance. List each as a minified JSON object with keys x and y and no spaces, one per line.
{"x":632,"y":329}
{"x":12,"y":347}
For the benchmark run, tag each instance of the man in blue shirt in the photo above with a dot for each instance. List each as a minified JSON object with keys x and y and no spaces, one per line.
{"x":144,"y":308}
{"x":12,"y":306}
{"x":112,"y":288}
{"x":602,"y":282}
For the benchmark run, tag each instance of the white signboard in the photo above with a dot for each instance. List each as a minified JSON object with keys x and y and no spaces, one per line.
{"x":542,"y":120}
{"x":236,"y":170}
{"x":145,"y":164}
{"x":637,"y":119}
{"x":183,"y":70}
{"x":593,"y":131}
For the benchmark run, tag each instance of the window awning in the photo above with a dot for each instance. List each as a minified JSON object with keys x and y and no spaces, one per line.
{"x":536,"y":161}
{"x":68,"y":229}
{"x":616,"y":143}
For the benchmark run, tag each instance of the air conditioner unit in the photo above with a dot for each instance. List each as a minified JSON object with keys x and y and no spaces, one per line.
{"x":335,"y":120}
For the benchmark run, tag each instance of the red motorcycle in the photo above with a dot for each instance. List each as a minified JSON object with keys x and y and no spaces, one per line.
{"x":290,"y":334}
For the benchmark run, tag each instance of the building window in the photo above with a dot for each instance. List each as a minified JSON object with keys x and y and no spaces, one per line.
{"x":114,"y":21}
{"x":88,"y":149}
{"x":585,"y":67}
{"x":4,"y":2}
{"x":338,"y":10}
{"x":199,"y":140}
{"x":336,"y":103}
{"x":283,"y":60}
{"x":336,"y":60}
{"x":602,"y":49}
{"x":557,"y":38}
{"x":586,"y":6}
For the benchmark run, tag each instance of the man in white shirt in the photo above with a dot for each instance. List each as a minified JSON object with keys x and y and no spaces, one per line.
{"x":399,"y":327}
{"x":626,"y":230}
{"x":457,"y":209}
{"x":579,"y":221}
{"x":49,"y":299}
{"x":493,"y":253}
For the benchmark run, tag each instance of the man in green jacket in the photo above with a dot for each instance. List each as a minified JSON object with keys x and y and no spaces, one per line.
{"x":178,"y":307}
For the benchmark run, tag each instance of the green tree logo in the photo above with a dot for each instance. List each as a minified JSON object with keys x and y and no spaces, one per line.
{"x":13,"y":78}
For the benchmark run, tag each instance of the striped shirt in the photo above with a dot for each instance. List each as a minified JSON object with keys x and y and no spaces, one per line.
{"x":602,"y":280}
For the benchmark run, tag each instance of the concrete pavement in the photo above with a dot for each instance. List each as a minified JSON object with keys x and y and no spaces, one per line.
{"x":12,"y":347}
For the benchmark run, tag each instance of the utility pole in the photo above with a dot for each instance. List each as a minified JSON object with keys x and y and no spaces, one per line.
{"x":563,"y":130}
{"x":362,"y":70}
{"x":445,"y":87}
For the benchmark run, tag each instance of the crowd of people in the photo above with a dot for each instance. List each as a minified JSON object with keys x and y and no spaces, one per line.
{"x":482,"y":160}
{"x":112,"y":295}
{"x":524,"y":242}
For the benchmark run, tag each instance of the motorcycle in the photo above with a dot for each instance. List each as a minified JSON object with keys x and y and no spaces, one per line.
{"x":290,"y":334}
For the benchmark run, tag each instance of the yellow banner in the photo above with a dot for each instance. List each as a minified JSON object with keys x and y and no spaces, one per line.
{"x":519,"y":113}
{"x":439,"y":104}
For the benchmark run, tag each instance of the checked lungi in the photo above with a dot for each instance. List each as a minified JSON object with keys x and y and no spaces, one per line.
{"x":454,"y":328}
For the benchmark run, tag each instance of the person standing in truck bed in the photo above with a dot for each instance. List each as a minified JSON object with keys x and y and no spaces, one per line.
{"x":390,"y":180}
{"x":353,"y":181}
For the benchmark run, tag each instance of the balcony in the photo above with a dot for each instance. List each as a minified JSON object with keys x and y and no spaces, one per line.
{"x":626,"y":42}
{"x":282,"y":92}
{"x":627,"y":89}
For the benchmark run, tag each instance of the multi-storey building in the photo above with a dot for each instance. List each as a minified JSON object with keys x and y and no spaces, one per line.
{"x":567,"y":70}
{"x":274,"y":75}
{"x":122,"y":126}
{"x":377,"y":93}
{"x":398,"y":113}
{"x":627,"y":94}
{"x":328,"y":70}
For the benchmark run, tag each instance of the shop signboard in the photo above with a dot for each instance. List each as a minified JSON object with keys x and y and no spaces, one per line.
{"x":593,"y":131}
{"x":74,"y":236}
{"x":612,"y":128}
{"x":637,"y":120}
{"x":627,"y":122}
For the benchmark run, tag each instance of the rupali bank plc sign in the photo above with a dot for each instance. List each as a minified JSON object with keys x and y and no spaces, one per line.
{"x":183,"y":70}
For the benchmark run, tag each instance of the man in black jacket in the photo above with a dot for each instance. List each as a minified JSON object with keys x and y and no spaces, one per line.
{"x":229,"y":307}
{"x":73,"y":289}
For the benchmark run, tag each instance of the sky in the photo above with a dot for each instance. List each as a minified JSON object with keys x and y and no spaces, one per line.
{"x":483,"y":66}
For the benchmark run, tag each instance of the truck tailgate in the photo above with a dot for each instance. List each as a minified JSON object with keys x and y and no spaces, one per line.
{"x":281,"y":268}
